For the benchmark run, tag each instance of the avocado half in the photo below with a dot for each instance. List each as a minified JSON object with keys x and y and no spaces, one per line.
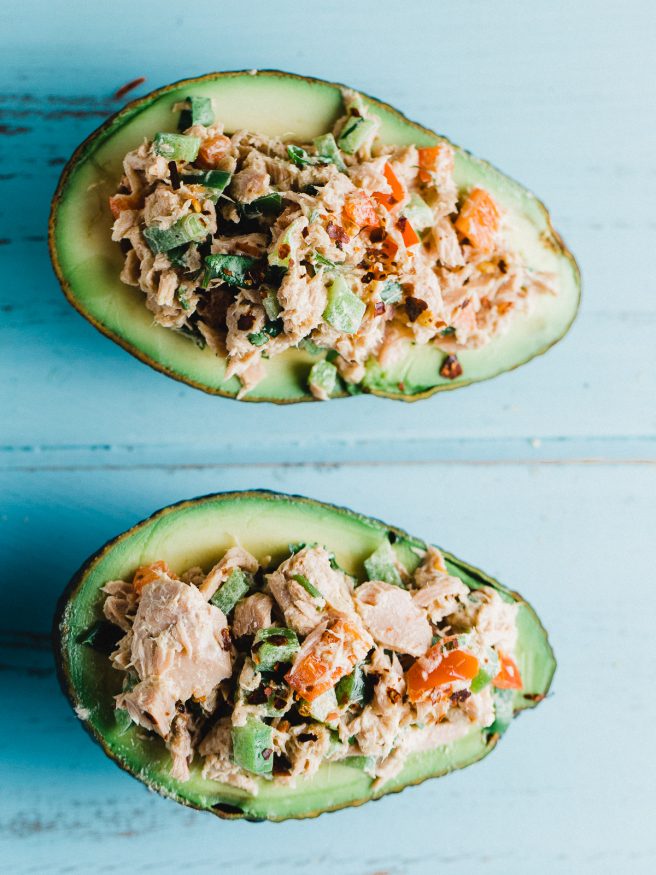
{"x":197,"y":532}
{"x":88,"y":264}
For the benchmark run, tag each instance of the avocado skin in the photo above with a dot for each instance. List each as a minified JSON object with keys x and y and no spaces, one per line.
{"x":405,"y":387}
{"x":62,"y":631}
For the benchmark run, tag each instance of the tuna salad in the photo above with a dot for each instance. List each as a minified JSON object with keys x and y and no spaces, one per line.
{"x":258,"y":671}
{"x":348,"y":248}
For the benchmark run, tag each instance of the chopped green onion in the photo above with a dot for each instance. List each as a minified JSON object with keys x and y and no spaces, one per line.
{"x":381,"y":565}
{"x":271,"y":305}
{"x":355,"y":133}
{"x":350,"y":689}
{"x":234,"y":588}
{"x":344,"y":310}
{"x":215,"y":181}
{"x":274,"y":645}
{"x":179,"y":147}
{"x":309,"y":587}
{"x":231,"y":269}
{"x":267,"y":205}
{"x":391,"y":293}
{"x":198,"y":112}
{"x":323,"y":377}
{"x":252,"y":747}
{"x":321,"y":260}
{"x":192,"y":228}
{"x":327,"y":148}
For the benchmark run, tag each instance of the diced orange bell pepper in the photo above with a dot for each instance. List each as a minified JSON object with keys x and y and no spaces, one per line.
{"x":398,"y":192}
{"x":430,"y":159}
{"x":479,"y":220}
{"x":315,"y":671}
{"x":437,"y":668}
{"x":410,"y":236}
{"x":360,"y":210}
{"x":389,"y":248}
{"x":149,"y":574}
{"x":120,"y":202}
{"x":213,"y":150}
{"x":508,"y":677}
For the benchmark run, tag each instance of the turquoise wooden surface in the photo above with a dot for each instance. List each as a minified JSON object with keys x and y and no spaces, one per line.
{"x":545,"y":477}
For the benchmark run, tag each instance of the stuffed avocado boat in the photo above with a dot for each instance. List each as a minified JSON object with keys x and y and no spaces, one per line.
{"x":267,"y":656}
{"x":271,"y":237}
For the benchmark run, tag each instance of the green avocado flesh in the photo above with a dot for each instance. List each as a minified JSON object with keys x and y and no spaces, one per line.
{"x":198,"y":532}
{"x":88,"y":264}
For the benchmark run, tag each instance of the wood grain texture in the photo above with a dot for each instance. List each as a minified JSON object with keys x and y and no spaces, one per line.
{"x":545,"y":477}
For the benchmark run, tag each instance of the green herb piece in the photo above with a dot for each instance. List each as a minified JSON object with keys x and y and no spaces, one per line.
{"x":323,"y":377}
{"x":177,"y":147}
{"x":391,"y":293}
{"x":198,"y":112}
{"x":381,"y":565}
{"x":301,"y":158}
{"x":344,"y":310}
{"x":350,"y":689}
{"x":274,"y":645}
{"x":270,"y":329}
{"x":192,"y":228}
{"x":327,"y":148}
{"x":233,"y":589}
{"x":309,"y":587}
{"x":318,"y":259}
{"x":267,"y":205}
{"x":231,"y":269}
{"x":252,"y":747}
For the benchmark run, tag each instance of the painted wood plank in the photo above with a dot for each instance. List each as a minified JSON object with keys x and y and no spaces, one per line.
{"x":569,"y":787}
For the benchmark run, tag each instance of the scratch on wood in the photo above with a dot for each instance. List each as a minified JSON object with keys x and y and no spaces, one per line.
{"x":9,"y":131}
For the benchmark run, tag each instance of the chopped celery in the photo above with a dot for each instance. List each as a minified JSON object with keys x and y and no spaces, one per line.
{"x":178,"y":147}
{"x":214,"y":181}
{"x":267,"y":205}
{"x":344,"y":310}
{"x":252,"y":747}
{"x":381,"y":565}
{"x":191,"y":228}
{"x":271,"y":305}
{"x":350,"y":689}
{"x":234,"y":588}
{"x":327,"y":148}
{"x":309,"y":587}
{"x":231,"y":269}
{"x":503,"y":711}
{"x":198,"y":112}
{"x":419,"y":213}
{"x":270,"y":329}
{"x":324,"y":708}
{"x":323,"y":377}
{"x":355,"y":134}
{"x":489,"y":668}
{"x":285,"y":248}
{"x":274,"y":645}
{"x":310,"y":346}
{"x":391,"y":292}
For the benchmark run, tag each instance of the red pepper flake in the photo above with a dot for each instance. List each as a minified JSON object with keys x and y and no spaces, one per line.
{"x":226,"y":642}
{"x":175,"y":176}
{"x":414,"y":307}
{"x":283,"y":250}
{"x":245,"y":321}
{"x":451,"y":367}
{"x":267,"y":753}
{"x":337,"y":233}
{"x":379,"y":308}
{"x":460,"y":696}
{"x":129,"y":86}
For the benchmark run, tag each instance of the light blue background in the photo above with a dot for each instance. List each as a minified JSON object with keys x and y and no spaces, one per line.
{"x":544,"y":477}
